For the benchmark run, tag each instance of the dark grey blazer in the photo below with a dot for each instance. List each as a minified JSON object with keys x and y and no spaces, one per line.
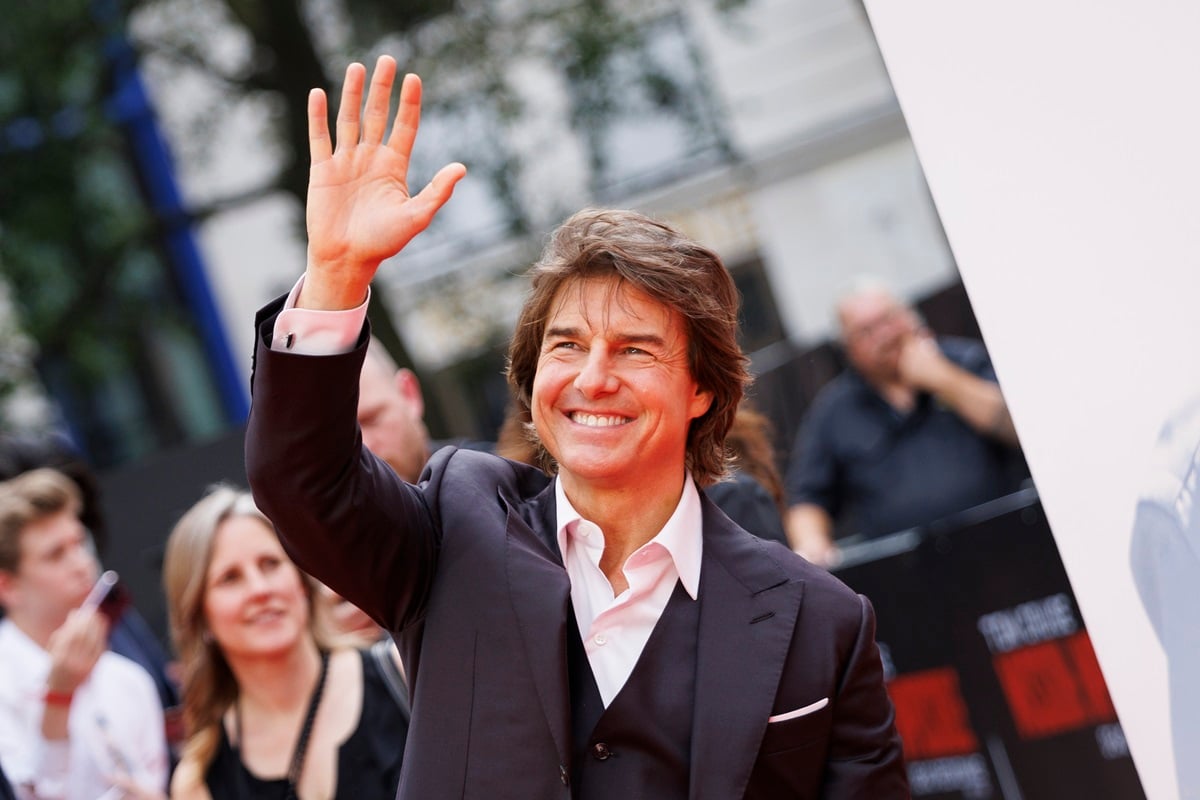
{"x":464,"y":569}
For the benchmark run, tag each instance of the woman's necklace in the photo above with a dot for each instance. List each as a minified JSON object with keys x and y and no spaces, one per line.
{"x":301,"y":748}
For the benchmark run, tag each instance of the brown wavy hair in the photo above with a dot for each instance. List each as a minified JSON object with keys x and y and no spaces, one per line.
{"x":29,"y":498}
{"x":671,"y":269}
{"x":750,"y":443}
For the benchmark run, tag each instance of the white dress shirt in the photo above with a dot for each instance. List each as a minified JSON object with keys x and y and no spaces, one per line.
{"x":115,"y":726}
{"x":614,"y":629}
{"x":312,"y":332}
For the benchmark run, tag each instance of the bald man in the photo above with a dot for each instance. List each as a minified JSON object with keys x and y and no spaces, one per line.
{"x":391,"y":410}
{"x":914,"y":430}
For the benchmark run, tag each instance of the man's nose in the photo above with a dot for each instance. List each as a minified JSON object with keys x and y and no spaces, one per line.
{"x":596,"y":376}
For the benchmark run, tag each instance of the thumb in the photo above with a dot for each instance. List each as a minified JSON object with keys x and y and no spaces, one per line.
{"x":435,"y":194}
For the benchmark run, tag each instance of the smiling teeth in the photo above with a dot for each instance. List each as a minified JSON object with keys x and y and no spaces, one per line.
{"x":594,"y":421}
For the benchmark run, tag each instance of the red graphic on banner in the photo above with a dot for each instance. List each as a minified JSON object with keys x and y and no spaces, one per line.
{"x":1054,"y":686}
{"x":931,"y":715}
{"x":1091,"y":679}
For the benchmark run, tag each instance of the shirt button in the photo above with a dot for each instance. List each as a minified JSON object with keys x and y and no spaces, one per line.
{"x":601,"y":639}
{"x":600,"y":751}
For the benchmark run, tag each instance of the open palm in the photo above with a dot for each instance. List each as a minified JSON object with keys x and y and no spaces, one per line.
{"x":360,"y":210}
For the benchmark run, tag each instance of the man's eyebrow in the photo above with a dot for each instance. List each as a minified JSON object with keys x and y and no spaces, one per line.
{"x":641,"y":338}
{"x":622,"y":338}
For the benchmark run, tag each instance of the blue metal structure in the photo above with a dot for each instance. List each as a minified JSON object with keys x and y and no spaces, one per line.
{"x":131,"y":109}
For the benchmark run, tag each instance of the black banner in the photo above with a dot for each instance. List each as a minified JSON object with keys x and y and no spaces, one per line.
{"x":998,"y":693}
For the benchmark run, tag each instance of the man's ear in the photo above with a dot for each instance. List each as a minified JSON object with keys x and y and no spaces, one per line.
{"x":701,"y":402}
{"x":410,"y":389}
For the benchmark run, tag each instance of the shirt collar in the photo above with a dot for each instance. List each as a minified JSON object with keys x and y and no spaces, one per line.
{"x":681,"y":536}
{"x":25,"y":652}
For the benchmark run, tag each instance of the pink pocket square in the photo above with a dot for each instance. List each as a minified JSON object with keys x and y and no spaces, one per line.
{"x":800,"y":712}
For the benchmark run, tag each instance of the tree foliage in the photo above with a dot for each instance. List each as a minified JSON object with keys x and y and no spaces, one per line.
{"x":79,"y":246}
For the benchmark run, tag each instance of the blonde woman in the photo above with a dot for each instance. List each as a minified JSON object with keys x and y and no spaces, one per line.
{"x":272,"y":707}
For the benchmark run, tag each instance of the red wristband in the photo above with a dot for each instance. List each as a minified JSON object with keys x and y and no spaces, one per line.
{"x":54,"y":698}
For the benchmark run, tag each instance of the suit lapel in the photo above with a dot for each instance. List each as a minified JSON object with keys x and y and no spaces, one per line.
{"x":748,"y":610}
{"x":541,"y":591}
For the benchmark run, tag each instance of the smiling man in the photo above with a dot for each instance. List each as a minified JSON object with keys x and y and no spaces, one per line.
{"x":596,"y":628}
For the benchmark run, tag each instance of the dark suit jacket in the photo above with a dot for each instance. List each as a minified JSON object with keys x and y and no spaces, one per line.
{"x":464,"y":568}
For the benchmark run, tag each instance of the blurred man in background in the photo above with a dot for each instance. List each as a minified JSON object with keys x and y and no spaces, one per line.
{"x":391,"y":410}
{"x":75,"y":719}
{"x":129,"y":635}
{"x":914,"y":430}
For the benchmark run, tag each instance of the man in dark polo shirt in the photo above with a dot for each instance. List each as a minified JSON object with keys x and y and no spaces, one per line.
{"x":916,"y":429}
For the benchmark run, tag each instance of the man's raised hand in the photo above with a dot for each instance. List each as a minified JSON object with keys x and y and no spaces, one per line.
{"x":360,"y":211}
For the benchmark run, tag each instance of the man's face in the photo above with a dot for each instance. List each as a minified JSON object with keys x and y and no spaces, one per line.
{"x":614,"y":396}
{"x":55,"y":572}
{"x":390,"y":410}
{"x":875,"y":328}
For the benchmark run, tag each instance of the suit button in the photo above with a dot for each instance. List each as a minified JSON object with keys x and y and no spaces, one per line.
{"x":600,"y":751}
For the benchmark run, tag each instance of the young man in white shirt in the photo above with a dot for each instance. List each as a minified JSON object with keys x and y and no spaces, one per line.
{"x":76,"y":722}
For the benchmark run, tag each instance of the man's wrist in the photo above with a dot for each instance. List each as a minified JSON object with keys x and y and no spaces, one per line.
{"x":315,"y":332}
{"x":56,"y":697}
{"x":334,"y":287}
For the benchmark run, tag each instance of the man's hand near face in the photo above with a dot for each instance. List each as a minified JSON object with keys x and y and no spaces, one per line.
{"x":921,"y":364}
{"x":923,"y":367}
{"x":74,"y":650}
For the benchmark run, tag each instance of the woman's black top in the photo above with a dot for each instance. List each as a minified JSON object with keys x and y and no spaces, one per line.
{"x":368,"y":763}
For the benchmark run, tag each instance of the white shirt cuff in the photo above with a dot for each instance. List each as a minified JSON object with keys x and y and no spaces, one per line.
{"x":310,"y":332}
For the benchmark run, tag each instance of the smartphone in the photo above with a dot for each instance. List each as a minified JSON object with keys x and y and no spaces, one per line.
{"x":103,"y":586}
{"x":108,"y":597}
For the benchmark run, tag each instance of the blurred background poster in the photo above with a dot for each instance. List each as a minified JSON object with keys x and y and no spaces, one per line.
{"x":1059,"y":143}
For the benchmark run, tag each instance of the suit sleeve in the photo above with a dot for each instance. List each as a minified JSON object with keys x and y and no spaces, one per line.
{"x":865,"y":758}
{"x":342,"y":514}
